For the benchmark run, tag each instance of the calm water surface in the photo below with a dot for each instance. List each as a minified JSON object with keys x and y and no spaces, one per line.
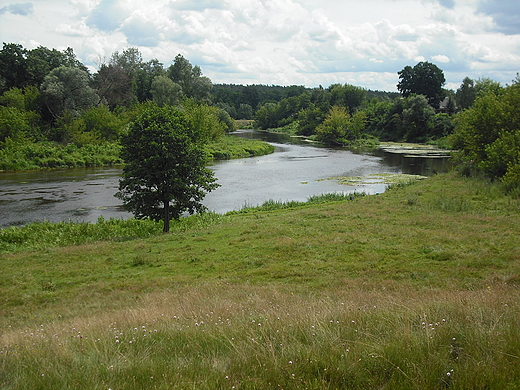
{"x":295,"y":171}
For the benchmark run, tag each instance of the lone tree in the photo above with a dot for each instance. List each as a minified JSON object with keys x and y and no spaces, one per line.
{"x":165,"y":173}
{"x":425,"y":79}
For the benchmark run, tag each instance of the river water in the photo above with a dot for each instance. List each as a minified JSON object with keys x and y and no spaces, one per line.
{"x":295,"y":171}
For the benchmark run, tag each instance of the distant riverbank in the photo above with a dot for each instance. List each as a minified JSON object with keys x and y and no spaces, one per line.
{"x":47,"y":155}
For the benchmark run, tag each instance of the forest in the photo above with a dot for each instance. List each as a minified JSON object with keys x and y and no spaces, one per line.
{"x":54,"y":111}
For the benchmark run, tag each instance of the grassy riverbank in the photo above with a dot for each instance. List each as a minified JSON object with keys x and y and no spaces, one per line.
{"x":416,"y":288}
{"x":28,"y":155}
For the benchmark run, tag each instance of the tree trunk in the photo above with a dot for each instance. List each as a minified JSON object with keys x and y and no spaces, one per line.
{"x":166,"y":228}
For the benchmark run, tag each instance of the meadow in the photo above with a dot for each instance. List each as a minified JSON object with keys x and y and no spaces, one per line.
{"x":415,"y":288}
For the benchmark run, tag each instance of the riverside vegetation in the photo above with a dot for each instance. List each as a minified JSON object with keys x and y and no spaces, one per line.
{"x":49,"y":155}
{"x":415,"y":288}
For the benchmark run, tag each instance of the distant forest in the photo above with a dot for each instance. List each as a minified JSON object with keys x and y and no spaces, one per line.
{"x":241,"y":101}
{"x":49,"y":95}
{"x":50,"y":100}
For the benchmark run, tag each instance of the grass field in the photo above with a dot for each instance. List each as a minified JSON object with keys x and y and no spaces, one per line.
{"x":416,"y":288}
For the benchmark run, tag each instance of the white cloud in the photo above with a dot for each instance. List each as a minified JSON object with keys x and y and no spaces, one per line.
{"x":80,"y":29}
{"x":363,"y":42}
{"x":441,"y":58}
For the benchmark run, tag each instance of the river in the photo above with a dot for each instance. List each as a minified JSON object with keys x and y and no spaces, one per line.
{"x":296,"y":170}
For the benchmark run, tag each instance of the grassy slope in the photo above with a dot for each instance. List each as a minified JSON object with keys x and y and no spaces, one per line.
{"x":439,"y":254}
{"x":52,"y":155}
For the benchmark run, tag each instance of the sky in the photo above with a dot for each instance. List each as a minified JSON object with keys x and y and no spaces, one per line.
{"x":283,"y":42}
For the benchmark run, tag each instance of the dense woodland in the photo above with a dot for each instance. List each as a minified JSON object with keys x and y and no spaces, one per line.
{"x":50,"y":103}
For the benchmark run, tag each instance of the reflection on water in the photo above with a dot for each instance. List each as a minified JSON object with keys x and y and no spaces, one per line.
{"x":79,"y":194}
{"x":294,"y":172}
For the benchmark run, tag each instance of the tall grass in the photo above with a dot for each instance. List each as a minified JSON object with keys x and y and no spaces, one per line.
{"x":271,"y":204}
{"x":41,"y":235}
{"x":17,"y":156}
{"x":263,"y":338}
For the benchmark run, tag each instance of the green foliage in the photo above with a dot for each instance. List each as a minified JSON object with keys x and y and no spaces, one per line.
{"x":13,"y":65}
{"x":273,"y":115}
{"x":410,"y":119}
{"x":14,"y":124}
{"x":271,"y":204}
{"x":18,"y":116}
{"x":339,"y":127}
{"x":442,"y":126}
{"x":164,"y":175}
{"x":267,"y":116}
{"x":417,"y":119}
{"x":204,"y":120}
{"x":425,"y":79}
{"x":190,"y":78}
{"x":17,"y":155}
{"x":114,"y":86}
{"x":347,"y":95}
{"x":488,"y":134}
{"x":229,"y":123}
{"x":309,"y":119}
{"x":165,"y":91}
{"x":68,"y":89}
{"x":95,"y":126}
{"x":466,"y":93}
{"x":69,"y":111}
{"x":245,"y":111}
{"x":104,"y":123}
{"x":229,"y":147}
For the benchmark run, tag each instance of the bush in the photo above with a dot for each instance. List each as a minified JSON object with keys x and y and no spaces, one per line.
{"x":488,"y":134}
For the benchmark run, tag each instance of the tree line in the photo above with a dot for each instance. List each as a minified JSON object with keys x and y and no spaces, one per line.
{"x":342,"y":113}
{"x":48,"y":95}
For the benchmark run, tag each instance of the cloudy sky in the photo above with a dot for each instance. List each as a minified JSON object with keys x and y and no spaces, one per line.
{"x":283,"y":42}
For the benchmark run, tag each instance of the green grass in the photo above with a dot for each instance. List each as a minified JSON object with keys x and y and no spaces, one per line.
{"x":416,"y":288}
{"x":52,"y":155}
{"x":44,"y":155}
{"x":229,"y":147}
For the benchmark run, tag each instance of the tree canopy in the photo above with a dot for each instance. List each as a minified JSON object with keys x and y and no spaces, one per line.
{"x":425,"y":79}
{"x":164,"y":174}
{"x":488,"y":134}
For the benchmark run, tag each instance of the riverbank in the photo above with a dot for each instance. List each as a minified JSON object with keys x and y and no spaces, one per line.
{"x":413,"y":288}
{"x":48,"y":155}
